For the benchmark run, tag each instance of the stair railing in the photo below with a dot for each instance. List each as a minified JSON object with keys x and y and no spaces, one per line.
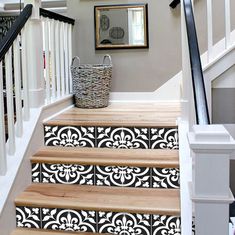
{"x":12,"y":48}
{"x":35,"y":57}
{"x":211,"y":145}
{"x":57,"y":34}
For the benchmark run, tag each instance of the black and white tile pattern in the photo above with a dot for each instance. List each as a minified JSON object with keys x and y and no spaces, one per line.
{"x":68,"y":220}
{"x":28,"y":217}
{"x":124,"y":223}
{"x":97,"y":221}
{"x":70,"y":136}
{"x":164,"y":138}
{"x":165,"y":178}
{"x":36,"y":172}
{"x":122,"y":137}
{"x":120,"y":176}
{"x":193,"y":227}
{"x":67,"y":174}
{"x":123,"y":176}
{"x":162,"y":224}
{"x":112,"y":137}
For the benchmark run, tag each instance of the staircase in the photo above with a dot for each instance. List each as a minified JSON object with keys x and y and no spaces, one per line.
{"x":105,"y":171}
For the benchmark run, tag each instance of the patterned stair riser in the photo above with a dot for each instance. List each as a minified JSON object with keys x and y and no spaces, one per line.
{"x":112,"y":137}
{"x":101,"y":222}
{"x":121,"y":176}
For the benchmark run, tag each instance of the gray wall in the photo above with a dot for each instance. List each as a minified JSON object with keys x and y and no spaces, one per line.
{"x":223,"y":97}
{"x":143,"y":69}
{"x":223,"y":100}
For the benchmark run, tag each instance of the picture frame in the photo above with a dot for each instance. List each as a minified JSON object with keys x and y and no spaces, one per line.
{"x":123,"y":26}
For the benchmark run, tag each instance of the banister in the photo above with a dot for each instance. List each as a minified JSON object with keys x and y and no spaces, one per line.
{"x":174,"y":3}
{"x":200,"y":101}
{"x":17,"y":26}
{"x":56,"y":16}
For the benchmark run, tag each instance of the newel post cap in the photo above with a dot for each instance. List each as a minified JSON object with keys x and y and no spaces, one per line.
{"x":211,"y":137}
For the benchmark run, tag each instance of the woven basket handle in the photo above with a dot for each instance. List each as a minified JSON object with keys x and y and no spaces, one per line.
{"x":109,"y":57}
{"x":76,"y":58}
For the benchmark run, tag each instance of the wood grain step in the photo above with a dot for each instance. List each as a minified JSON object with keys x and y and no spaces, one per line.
{"x":108,"y":157}
{"x":99,"y":198}
{"x":161,"y":114}
{"x":26,"y":231}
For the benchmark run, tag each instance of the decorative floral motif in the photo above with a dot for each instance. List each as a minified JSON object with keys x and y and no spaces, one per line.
{"x":112,"y":137}
{"x":124,"y":223}
{"x":69,"y":220}
{"x":67,"y":174}
{"x":36,"y":169}
{"x":98,"y":222}
{"x":123,"y":176}
{"x":166,"y":225}
{"x":164,"y":138}
{"x":122,"y":137}
{"x":70,"y":136}
{"x":28,"y":217}
{"x":165,"y":178}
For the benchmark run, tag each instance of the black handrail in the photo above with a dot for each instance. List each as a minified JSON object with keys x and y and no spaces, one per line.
{"x":55,"y":16}
{"x":201,"y":107}
{"x":15,"y":29}
{"x":174,"y":3}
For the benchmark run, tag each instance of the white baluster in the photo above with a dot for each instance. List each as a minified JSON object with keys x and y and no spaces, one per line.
{"x":25,"y":76}
{"x":70,"y":53}
{"x":52,"y":50}
{"x":66,"y":53}
{"x":62,"y":64}
{"x":10,"y":104}
{"x":47,"y":59}
{"x":227,"y":23}
{"x":3,"y":161}
{"x":18,"y":99}
{"x":209,"y":30}
{"x":57,"y":57}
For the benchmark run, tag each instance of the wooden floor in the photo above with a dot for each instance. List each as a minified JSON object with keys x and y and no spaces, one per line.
{"x":28,"y":231}
{"x":108,"y":157}
{"x":122,"y":114}
{"x":99,"y":198}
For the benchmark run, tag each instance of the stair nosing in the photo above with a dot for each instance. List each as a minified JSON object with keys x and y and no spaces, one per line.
{"x":33,"y":231}
{"x":112,"y":124}
{"x":107,"y":157}
{"x":101,"y":193}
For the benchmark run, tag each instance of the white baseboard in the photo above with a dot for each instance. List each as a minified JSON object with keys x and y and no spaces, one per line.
{"x":168,"y":92}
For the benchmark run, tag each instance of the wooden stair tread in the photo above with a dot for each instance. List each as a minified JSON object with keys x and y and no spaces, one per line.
{"x":149,"y":114}
{"x":27,"y":231}
{"x":108,"y":157}
{"x":100,"y":198}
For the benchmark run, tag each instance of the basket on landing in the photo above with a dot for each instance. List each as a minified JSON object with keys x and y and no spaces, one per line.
{"x":91,"y":83}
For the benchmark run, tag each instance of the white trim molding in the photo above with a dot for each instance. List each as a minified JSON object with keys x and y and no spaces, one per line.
{"x":212,"y":146}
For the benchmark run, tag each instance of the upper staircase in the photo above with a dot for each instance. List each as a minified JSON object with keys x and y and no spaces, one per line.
{"x":124,"y":178}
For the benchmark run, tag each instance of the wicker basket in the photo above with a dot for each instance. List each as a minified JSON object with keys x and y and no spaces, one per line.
{"x":91,"y":83}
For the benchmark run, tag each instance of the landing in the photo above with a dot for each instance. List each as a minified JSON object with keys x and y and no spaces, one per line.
{"x":161,"y":114}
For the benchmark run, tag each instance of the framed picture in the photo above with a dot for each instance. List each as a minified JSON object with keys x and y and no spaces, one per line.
{"x":121,"y":26}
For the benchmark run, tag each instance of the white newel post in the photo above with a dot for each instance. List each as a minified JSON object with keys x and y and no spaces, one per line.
{"x":212,"y":146}
{"x":35,"y":56}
